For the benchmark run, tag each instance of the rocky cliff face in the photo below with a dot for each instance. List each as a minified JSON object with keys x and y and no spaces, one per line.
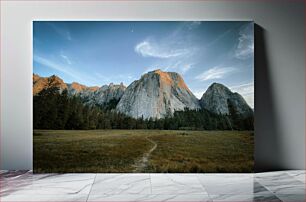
{"x":76,"y":88}
{"x":90,"y":95}
{"x":220,"y":100}
{"x":107,"y":93}
{"x":87,"y":93}
{"x":157,"y":94}
{"x":40,"y":83}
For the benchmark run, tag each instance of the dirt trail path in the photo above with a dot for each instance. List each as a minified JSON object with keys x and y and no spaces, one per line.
{"x":143,"y":163}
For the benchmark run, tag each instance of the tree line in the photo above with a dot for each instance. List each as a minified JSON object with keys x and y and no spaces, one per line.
{"x":55,"y":110}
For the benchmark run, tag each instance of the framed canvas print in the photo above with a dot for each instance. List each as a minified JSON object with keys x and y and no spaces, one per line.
{"x":143,"y":96}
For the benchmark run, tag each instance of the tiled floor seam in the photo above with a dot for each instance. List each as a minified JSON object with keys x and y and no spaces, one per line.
{"x":150,"y":183}
{"x":209,"y":197}
{"x":274,"y":194}
{"x":91,"y":187}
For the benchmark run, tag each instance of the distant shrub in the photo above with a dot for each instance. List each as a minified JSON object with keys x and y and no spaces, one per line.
{"x":37,"y":134}
{"x":183,"y":134}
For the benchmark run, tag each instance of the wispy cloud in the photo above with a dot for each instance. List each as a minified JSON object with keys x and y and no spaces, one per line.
{"x":77,"y":76}
{"x":245,"y":47}
{"x":65,"y":33}
{"x":128,"y":78}
{"x":218,"y":38}
{"x":180,"y":67}
{"x":148,"y":48}
{"x":100,"y":76}
{"x":173,"y":52}
{"x":198,"y":93}
{"x":66,"y":58}
{"x":247,"y":91}
{"x":61,"y":68}
{"x":186,"y":67}
{"x":215,"y":73}
{"x":193,"y":25}
{"x":246,"y":88}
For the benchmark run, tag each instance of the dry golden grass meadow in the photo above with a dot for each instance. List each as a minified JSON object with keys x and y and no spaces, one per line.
{"x":142,"y":151}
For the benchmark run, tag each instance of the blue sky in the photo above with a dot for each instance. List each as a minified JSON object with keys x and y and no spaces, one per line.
{"x":102,"y":52}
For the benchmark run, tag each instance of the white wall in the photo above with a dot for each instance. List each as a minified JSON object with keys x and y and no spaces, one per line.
{"x":279,"y":67}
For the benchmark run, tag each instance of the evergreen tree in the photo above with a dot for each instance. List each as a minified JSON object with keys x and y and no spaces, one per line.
{"x":54,"y":110}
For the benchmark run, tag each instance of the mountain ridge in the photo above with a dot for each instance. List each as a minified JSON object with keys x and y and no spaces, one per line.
{"x":219,"y":99}
{"x":156,"y":94}
{"x":90,"y":94}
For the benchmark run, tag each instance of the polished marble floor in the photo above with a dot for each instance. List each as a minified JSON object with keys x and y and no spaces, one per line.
{"x":270,"y":186}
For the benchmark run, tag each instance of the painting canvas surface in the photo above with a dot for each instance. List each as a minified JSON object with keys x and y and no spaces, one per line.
{"x":143,"y":96}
